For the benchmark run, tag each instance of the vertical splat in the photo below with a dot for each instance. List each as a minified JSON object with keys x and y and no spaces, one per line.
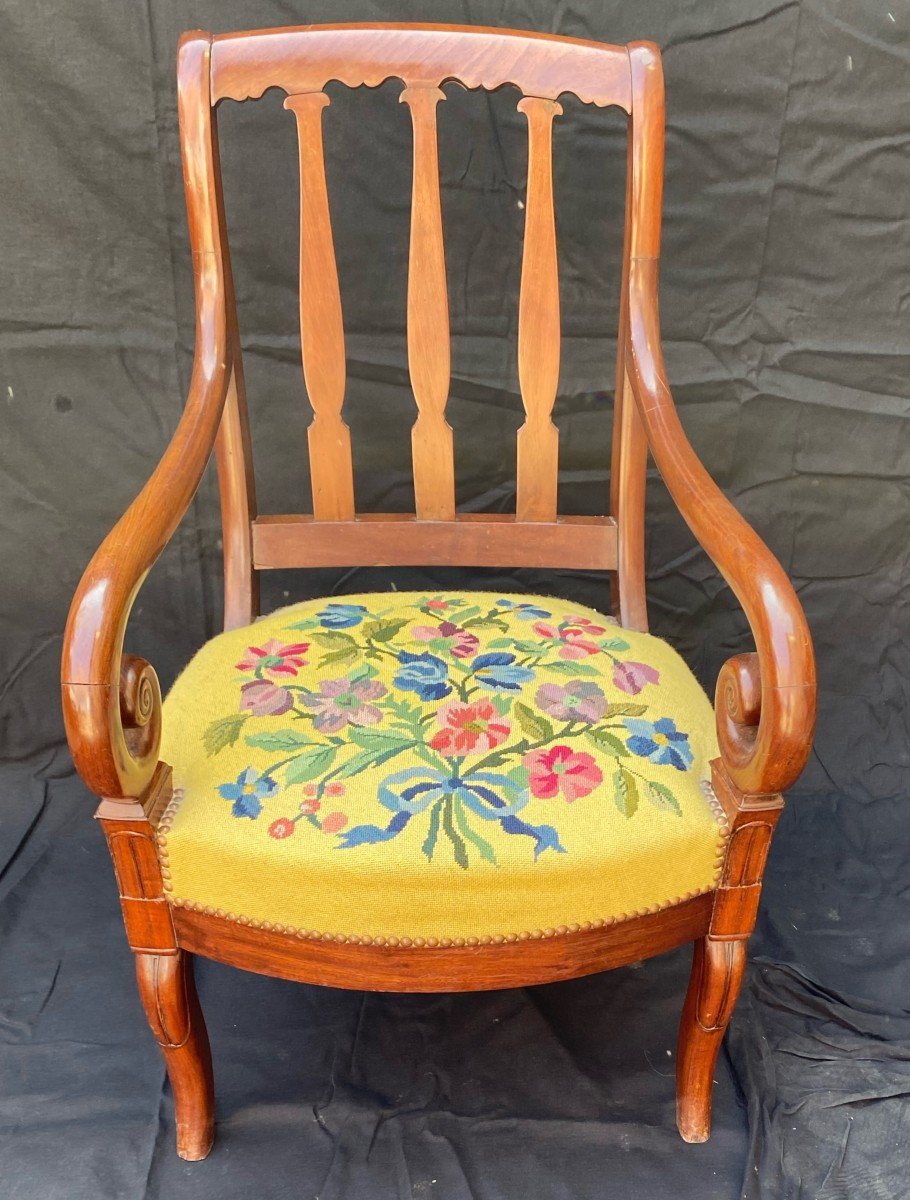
{"x":538,"y":323}
{"x":428,"y":319}
{"x":321,"y":328}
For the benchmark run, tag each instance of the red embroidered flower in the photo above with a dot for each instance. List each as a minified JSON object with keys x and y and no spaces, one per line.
{"x":562,"y":769}
{"x":467,"y":727}
{"x":264,"y":699}
{"x":275,"y":657}
{"x":631,"y":677}
{"x":459,"y":642}
{"x":281,"y":828}
{"x":437,"y":605}
{"x":309,"y":806}
{"x":576,"y":638}
{"x":334,"y":822}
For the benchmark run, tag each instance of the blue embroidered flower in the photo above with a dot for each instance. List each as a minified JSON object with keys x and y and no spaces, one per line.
{"x":497,"y":673}
{"x":342,"y":616}
{"x":424,"y":674}
{"x":248,"y":793}
{"x":525,"y":612}
{"x":661,"y":742}
{"x":485,"y":794}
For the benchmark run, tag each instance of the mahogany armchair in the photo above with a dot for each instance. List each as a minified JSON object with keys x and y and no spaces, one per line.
{"x":519,"y":792}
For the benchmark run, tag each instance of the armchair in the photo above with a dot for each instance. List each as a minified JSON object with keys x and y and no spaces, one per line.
{"x":520,"y":752}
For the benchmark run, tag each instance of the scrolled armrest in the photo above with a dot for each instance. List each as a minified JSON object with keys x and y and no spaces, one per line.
{"x":765,"y":702}
{"x":112,"y":701}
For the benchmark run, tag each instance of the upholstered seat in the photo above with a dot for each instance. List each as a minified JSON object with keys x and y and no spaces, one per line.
{"x":438,"y":768}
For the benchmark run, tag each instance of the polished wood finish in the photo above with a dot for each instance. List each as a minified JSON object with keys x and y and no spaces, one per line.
{"x":305,"y":59}
{"x":765,"y":702}
{"x":472,"y":539}
{"x":518,"y":963}
{"x":428,"y":319}
{"x":538,"y":323}
{"x":321,"y":328}
{"x":164,"y":971}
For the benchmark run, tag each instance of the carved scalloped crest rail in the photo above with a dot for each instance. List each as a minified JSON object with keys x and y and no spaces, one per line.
{"x":299,"y":60}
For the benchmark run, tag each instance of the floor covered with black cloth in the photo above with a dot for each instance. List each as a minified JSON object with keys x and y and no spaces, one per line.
{"x":563,"y":1091}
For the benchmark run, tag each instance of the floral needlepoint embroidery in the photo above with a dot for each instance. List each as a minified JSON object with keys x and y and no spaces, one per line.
{"x":562,"y":769}
{"x":661,"y":742}
{"x":450,"y":724}
{"x":469,"y":727}
{"x":341,"y":702}
{"x":248,"y":792}
{"x":424,"y":674}
{"x":342,"y":616}
{"x":275,"y":658}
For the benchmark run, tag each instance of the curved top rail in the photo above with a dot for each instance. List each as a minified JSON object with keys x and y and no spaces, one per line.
{"x":305,"y":58}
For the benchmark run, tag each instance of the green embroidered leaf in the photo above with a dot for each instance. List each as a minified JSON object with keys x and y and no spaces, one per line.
{"x":616,"y":644}
{"x":625,"y":710}
{"x":502,"y":704}
{"x":533,"y":725}
{"x":499,"y":643}
{"x":278,"y":739}
{"x":380,"y":740}
{"x":486,"y":850}
{"x":625,"y":789}
{"x":310,"y":765}
{"x":429,"y":843}
{"x":524,"y":647}
{"x":469,"y":616}
{"x":333,"y":639}
{"x":458,"y":846}
{"x":363,"y":670}
{"x":384,"y":631}
{"x":222,"y":733}
{"x":519,"y":776}
{"x":484,"y":622}
{"x":340,"y":658}
{"x":604,"y":740}
{"x":573,"y":668}
{"x":309,"y":623}
{"x":661,"y":797}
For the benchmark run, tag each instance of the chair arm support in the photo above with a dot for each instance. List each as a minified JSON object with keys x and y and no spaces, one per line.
{"x":112,"y":701}
{"x":765,"y":702}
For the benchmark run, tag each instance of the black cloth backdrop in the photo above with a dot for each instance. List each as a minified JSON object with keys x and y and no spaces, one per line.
{"x":785,"y":311}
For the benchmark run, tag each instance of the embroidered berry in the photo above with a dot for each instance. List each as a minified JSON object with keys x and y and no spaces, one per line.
{"x":334,"y":822}
{"x":281,"y":828}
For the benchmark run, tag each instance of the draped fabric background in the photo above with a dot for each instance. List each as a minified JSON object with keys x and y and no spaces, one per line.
{"x":785,"y":301}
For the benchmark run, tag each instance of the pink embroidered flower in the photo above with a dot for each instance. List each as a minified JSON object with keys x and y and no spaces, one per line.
{"x":579,"y":700}
{"x":545,"y":629}
{"x":586,"y":623}
{"x":631,"y":677}
{"x":448,"y":636}
{"x":576,"y":637}
{"x":469,"y":727}
{"x":341,"y":702}
{"x":562,"y":769}
{"x":275,"y":657}
{"x":264,"y":699}
{"x":281,"y":828}
{"x":334,"y":822}
{"x":309,"y":806}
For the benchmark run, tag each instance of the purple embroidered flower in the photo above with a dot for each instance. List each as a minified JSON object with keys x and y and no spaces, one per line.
{"x":341,"y":702}
{"x":448,"y":636}
{"x":631,"y":677}
{"x":264,"y":699}
{"x":579,"y":700}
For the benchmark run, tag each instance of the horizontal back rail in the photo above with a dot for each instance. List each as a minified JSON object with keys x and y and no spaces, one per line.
{"x":305,"y":59}
{"x":401,"y":540}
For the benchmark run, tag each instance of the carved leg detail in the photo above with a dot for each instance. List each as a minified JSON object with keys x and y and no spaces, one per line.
{"x":168,"y":992}
{"x":717,"y":974}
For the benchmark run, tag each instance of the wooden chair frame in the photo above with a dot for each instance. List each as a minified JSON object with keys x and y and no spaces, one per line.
{"x":765,"y":703}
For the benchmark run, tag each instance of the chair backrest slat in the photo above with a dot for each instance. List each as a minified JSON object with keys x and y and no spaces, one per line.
{"x":428,"y":319}
{"x":321,"y":327}
{"x":538,"y":323}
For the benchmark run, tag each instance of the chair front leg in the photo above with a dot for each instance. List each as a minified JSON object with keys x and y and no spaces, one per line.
{"x":717,"y":974}
{"x":164,"y":971}
{"x":719,"y":961}
{"x":168,"y":991}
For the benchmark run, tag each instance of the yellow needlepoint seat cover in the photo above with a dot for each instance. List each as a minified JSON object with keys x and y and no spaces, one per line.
{"x":448,"y":768}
